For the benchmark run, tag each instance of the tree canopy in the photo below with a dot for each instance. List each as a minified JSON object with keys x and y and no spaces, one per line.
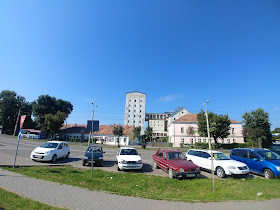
{"x":10,"y":104}
{"x":54,"y":122}
{"x":219,"y":125}
{"x":257,"y":127}
{"x":45,"y":105}
{"x":118,"y":131}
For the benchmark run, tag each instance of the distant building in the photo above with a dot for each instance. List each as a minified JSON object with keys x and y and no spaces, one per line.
{"x":160,"y":122}
{"x":104,"y":135}
{"x":135,"y":108}
{"x":178,"y":132}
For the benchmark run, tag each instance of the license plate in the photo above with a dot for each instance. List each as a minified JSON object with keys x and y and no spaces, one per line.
{"x":190,"y":175}
{"x":130,"y":165}
{"x":91,"y":161}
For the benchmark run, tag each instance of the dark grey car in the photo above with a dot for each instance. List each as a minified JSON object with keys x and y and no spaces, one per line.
{"x":275,"y":147}
{"x":96,"y":156}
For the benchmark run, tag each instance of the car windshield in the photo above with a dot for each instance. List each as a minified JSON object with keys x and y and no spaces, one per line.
{"x":220,"y":156}
{"x":49,"y":145}
{"x":275,"y":147}
{"x":269,"y":155}
{"x":95,"y":149}
{"x":128,"y":152}
{"x":175,"y":156}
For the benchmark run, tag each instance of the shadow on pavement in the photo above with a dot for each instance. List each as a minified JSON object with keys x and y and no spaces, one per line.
{"x":68,"y":160}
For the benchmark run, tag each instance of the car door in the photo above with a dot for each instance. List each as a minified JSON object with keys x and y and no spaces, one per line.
{"x":205,"y":160}
{"x":254,"y":162}
{"x":164,"y":161}
{"x":60,"y":152}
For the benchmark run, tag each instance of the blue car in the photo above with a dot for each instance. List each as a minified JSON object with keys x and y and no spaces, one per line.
{"x":259,"y":161}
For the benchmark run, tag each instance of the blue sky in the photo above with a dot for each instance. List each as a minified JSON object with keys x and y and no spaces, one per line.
{"x":180,"y":53}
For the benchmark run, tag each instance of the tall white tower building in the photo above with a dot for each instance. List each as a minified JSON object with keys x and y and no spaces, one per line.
{"x":135,"y":109}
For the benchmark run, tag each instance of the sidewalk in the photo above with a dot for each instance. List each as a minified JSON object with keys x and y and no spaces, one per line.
{"x":70,"y":197}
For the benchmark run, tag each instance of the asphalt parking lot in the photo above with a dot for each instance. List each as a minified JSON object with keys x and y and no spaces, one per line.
{"x":8,"y":148}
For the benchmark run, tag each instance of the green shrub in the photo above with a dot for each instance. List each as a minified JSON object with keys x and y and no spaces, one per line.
{"x":170,"y":144}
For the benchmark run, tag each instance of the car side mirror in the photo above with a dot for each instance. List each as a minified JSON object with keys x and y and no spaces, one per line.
{"x":256,"y":159}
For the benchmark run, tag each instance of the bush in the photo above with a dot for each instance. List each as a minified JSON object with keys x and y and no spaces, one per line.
{"x":74,"y":140}
{"x":170,"y":144}
{"x":182,"y":145}
{"x":222,"y":146}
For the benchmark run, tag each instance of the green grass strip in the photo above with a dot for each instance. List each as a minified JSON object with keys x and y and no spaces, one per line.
{"x":13,"y":201}
{"x":155,"y":187}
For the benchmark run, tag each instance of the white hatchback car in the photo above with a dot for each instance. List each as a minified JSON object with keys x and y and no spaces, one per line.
{"x":128,"y":158}
{"x":51,"y":151}
{"x":223,"y":165}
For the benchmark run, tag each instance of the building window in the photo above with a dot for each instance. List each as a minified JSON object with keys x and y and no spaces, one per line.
{"x":139,"y":121}
{"x":140,"y":105}
{"x":223,"y":141}
{"x":134,"y":121}
{"x":199,"y":140}
{"x":128,"y":121}
{"x":233,"y":140}
{"x":128,"y":115}
{"x":174,"y":118}
{"x":228,"y":141}
{"x":204,"y":140}
{"x":135,"y":105}
{"x":182,"y":129}
{"x":232,"y":130}
{"x":134,"y":100}
{"x":129,"y":110}
{"x":182,"y":140}
{"x":133,"y":115}
{"x":140,"y":100}
{"x":140,"y":111}
{"x":129,"y":100}
{"x":191,"y":141}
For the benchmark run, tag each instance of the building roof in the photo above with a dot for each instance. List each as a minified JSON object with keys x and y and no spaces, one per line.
{"x":136,"y":92}
{"x":193,"y":118}
{"x":176,"y":111}
{"x":103,"y":129}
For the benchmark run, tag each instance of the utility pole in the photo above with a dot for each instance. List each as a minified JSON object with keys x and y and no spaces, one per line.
{"x":209,"y":142}
{"x":16,"y":122}
{"x":92,"y":140}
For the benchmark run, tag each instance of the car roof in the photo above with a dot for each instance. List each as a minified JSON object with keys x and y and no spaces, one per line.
{"x":57,"y":142}
{"x":127,"y":148}
{"x":205,"y":150}
{"x":252,"y":149}
{"x":169,"y":150}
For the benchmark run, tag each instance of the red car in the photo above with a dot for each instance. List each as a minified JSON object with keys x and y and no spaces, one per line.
{"x":175,"y":163}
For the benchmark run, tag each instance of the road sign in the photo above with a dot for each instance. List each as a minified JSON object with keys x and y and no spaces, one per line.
{"x":95,"y":125}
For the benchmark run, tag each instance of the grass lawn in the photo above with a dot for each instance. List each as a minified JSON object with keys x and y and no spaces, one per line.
{"x":154,"y":187}
{"x":13,"y":201}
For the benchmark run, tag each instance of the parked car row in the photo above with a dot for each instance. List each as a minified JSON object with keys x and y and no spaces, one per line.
{"x":242,"y":161}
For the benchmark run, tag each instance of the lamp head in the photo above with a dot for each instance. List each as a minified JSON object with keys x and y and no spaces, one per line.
{"x":207,"y":101}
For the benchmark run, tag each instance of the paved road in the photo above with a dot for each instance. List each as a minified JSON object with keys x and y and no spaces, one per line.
{"x":8,"y":148}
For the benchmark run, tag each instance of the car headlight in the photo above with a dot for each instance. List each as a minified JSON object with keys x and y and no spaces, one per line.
{"x":139,"y":161}
{"x":85,"y":157}
{"x":101,"y":158}
{"x":123,"y":161}
{"x":278,"y":168}
{"x":181,"y":170}
{"x":48,"y":152}
{"x":231,"y":167}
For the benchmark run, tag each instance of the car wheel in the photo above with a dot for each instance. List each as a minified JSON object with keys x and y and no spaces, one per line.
{"x":101,"y":163}
{"x":155,"y":165}
{"x":116,"y":161}
{"x":84,"y":164}
{"x":170,"y":172}
{"x":68,"y":154}
{"x":220,"y":172}
{"x":119,"y":168}
{"x":54,"y":159}
{"x":268,"y":174}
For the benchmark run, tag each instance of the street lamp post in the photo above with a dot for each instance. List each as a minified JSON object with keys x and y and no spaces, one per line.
{"x":209,"y":142}
{"x":92,"y":140}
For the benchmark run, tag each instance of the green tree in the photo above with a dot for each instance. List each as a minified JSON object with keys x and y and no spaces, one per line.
{"x":147,"y":136}
{"x":46,"y":104}
{"x":118,"y":131}
{"x":53,"y":122}
{"x":218,"y":125}
{"x":136,"y":132}
{"x":276,"y":130}
{"x":10,"y":104}
{"x":191,"y":132}
{"x":257,"y":127}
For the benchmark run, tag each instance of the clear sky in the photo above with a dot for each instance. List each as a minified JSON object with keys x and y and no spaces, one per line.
{"x":180,"y":53}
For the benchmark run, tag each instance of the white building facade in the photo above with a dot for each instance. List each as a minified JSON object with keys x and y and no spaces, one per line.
{"x":135,"y":109}
{"x":178,"y":132}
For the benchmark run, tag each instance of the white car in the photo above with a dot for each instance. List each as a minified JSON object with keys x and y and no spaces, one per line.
{"x":223,"y":165}
{"x":128,"y":158}
{"x":51,"y":151}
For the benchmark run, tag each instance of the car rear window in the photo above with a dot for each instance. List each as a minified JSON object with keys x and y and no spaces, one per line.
{"x":190,"y":152}
{"x":275,"y":147}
